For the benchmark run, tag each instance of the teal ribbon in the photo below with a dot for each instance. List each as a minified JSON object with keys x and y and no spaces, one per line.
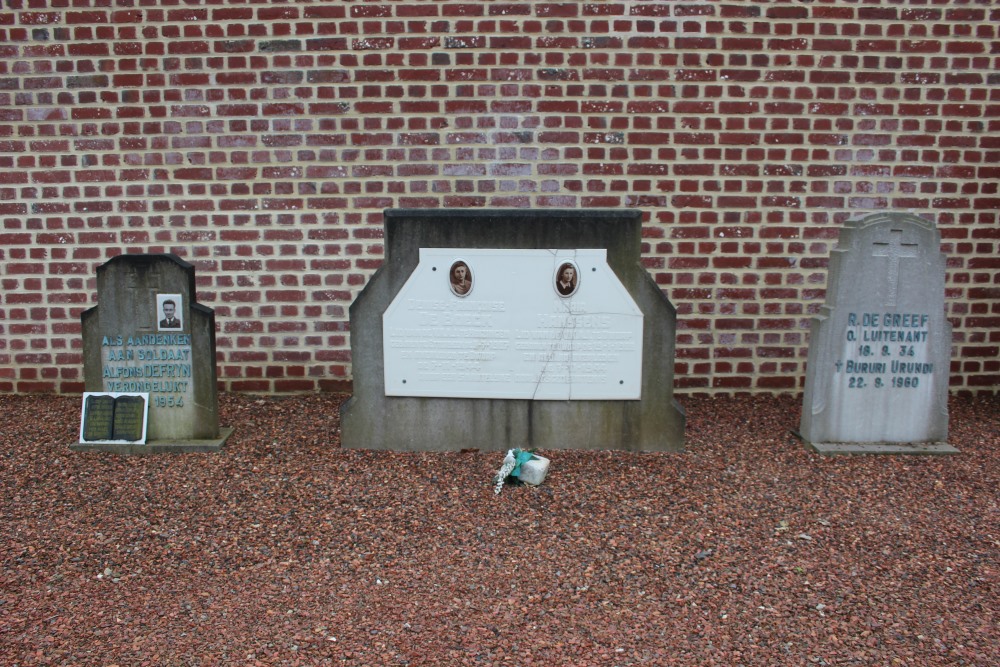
{"x":520,"y":456}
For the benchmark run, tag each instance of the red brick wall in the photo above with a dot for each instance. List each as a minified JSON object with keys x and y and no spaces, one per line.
{"x":261,"y":141}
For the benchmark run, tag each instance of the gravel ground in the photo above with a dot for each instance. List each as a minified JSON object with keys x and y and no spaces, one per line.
{"x":286,"y":550}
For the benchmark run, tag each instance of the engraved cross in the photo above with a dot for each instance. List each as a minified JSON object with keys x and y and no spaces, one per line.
{"x":894,"y":249}
{"x":142,"y":285}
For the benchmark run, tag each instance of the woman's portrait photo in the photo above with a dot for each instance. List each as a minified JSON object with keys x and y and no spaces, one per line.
{"x":461,"y":278}
{"x":567,"y":279}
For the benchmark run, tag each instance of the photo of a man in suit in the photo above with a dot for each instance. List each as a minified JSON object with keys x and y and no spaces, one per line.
{"x":169,"y":321}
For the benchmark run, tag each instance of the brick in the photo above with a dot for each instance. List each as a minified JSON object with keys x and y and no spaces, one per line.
{"x":262,"y":143}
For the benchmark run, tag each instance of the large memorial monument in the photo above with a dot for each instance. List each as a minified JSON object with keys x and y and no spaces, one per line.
{"x":149,"y":340}
{"x":512,"y":329}
{"x":880,"y":348}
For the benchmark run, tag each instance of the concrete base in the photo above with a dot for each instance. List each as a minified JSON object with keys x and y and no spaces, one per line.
{"x":855,"y":448}
{"x":158,"y":446}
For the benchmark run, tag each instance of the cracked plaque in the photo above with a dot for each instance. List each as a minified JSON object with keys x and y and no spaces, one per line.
{"x":513,"y":324}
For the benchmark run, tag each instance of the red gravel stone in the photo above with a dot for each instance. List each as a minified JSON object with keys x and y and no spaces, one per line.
{"x":286,"y":550}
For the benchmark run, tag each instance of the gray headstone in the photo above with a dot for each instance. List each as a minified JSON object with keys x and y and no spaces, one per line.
{"x":148,"y":335}
{"x":372,"y":419}
{"x":880,"y":349}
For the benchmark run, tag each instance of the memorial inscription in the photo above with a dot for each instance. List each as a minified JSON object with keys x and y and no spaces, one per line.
{"x":885,"y":350}
{"x":517,"y":335}
{"x":98,"y":417}
{"x":157,"y":364}
{"x":130,"y":418}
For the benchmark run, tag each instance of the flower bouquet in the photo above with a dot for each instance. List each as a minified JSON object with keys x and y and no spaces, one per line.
{"x":520,"y":466}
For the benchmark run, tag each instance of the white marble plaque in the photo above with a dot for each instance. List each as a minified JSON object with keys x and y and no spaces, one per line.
{"x":513,"y":324}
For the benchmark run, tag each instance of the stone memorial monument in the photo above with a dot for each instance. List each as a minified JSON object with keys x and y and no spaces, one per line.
{"x":500,"y":329}
{"x":880,"y":348}
{"x":147,"y":338}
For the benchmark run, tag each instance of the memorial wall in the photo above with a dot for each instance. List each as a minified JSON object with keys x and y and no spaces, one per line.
{"x":513,"y":331}
{"x":261,"y":142}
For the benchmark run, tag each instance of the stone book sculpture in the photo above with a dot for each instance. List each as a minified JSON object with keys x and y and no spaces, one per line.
{"x":114,"y":418}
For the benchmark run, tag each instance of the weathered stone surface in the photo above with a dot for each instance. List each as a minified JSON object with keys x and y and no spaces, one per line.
{"x":880,"y":348}
{"x":148,"y":335}
{"x":370,"y":419}
{"x":868,"y":448}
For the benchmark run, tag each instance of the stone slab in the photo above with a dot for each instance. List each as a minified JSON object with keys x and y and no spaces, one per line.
{"x":207,"y":445}
{"x":373,"y":420}
{"x":880,"y":348}
{"x":866,"y":448}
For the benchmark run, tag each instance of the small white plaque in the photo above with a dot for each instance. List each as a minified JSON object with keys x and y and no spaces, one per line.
{"x":513,"y":324}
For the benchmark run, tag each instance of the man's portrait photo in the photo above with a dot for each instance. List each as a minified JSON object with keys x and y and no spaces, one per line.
{"x":461,"y":278}
{"x":168,"y":308}
{"x":567,"y":279}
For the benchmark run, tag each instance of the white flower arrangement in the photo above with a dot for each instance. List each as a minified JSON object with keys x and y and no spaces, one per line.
{"x":509,"y":462}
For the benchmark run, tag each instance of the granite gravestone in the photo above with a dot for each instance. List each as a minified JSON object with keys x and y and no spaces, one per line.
{"x":512,"y":329}
{"x":148,"y":336}
{"x":880,"y":349}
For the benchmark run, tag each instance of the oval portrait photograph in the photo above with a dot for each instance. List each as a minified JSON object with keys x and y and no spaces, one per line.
{"x":460,"y":277}
{"x":567,"y":279}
